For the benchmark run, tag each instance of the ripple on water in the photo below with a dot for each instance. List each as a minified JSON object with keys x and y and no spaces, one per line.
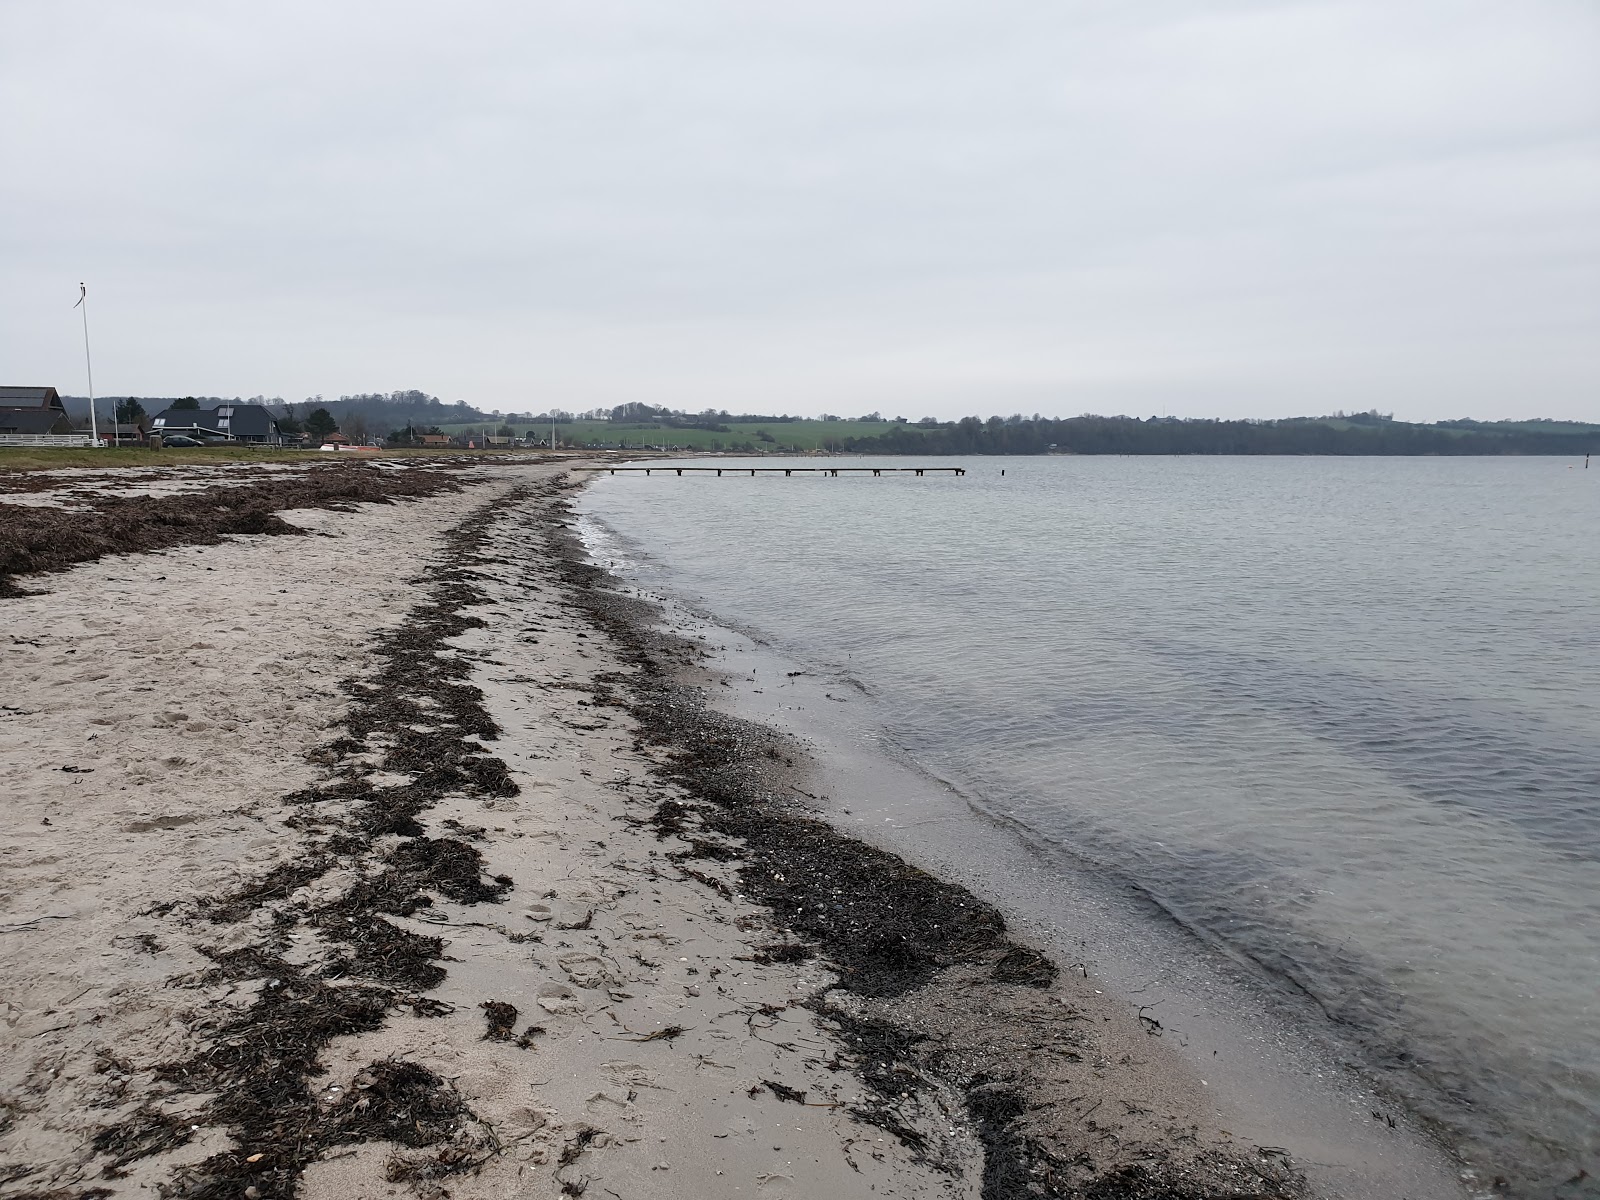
{"x":1338,"y":716}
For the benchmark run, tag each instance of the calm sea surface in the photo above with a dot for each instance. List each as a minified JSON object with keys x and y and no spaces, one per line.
{"x":1340,"y":717}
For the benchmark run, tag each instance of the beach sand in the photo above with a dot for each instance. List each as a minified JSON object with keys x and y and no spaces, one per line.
{"x":404,"y":859}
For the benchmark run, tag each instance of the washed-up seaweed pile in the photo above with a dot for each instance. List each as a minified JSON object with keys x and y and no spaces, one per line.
{"x":257,"y":1070}
{"x":888,"y":927}
{"x":71,"y":481}
{"x":35,"y":539}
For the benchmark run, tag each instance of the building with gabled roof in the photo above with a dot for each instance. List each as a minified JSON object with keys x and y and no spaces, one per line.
{"x":32,"y":410}
{"x":236,"y":422}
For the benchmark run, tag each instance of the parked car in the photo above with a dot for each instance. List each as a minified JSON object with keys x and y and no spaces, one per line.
{"x":180,"y":440}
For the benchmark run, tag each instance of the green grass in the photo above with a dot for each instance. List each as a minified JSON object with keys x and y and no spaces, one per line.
{"x":799,"y":435}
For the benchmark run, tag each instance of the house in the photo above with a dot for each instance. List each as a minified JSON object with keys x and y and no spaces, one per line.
{"x":32,"y":410}
{"x":434,"y":439}
{"x":336,"y":439}
{"x":252,"y":423}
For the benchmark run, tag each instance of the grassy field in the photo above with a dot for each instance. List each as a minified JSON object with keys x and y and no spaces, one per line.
{"x":785,"y":435}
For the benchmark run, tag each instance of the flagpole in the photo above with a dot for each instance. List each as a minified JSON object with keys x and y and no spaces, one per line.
{"x":83,"y":302}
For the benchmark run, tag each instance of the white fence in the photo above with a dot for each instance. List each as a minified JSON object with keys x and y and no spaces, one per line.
{"x":58,"y":440}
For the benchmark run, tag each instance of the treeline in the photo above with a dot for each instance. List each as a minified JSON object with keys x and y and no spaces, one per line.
{"x":383,"y":411}
{"x":1130,"y":435}
{"x":380,"y":411}
{"x":716,"y":419}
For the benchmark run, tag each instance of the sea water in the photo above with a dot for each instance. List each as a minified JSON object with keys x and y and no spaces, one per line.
{"x":1338,"y":718}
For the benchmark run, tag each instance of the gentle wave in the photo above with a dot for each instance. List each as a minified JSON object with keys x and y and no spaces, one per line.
{"x":1340,"y":717}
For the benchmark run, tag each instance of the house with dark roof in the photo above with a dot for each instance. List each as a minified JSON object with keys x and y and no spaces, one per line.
{"x":235,"y":422}
{"x":32,"y":410}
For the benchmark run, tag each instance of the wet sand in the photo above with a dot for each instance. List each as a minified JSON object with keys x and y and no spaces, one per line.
{"x":407,"y":859}
{"x":1274,"y":1080}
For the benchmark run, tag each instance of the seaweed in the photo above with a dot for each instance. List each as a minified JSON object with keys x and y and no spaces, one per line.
{"x":277,"y":884}
{"x":669,"y":818}
{"x":389,"y":1101}
{"x":380,"y":950}
{"x":452,"y":868}
{"x":887,"y":925}
{"x":258,"y":1066}
{"x":705,"y":848}
{"x":36,"y":539}
{"x":501,"y":1019}
{"x":1011,"y":1167}
{"x":144,"y":1132}
{"x":782,"y":952}
{"x":573,"y":1150}
{"x":783,"y":1091}
{"x":399,"y":1102}
{"x":1025,"y":966}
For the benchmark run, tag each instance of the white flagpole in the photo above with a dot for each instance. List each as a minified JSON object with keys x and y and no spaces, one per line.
{"x":83,"y":302}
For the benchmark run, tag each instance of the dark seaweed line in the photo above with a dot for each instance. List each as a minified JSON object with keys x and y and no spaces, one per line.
{"x":259,"y":1065}
{"x":35,"y":540}
{"x":886,"y":926}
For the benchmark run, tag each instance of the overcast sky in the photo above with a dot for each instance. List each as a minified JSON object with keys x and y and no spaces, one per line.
{"x":1236,"y":209}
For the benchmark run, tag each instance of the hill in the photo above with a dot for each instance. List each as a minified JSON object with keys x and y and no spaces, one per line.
{"x":1340,"y":434}
{"x":642,"y":426}
{"x":1362,"y":434}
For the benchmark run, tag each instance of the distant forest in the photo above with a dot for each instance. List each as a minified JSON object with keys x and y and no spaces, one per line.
{"x":386,"y":411}
{"x":377,"y":414}
{"x":1362,"y":434}
{"x":1341,"y":433}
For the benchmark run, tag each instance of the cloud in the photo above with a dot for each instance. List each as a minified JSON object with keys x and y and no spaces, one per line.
{"x":1238,"y":208}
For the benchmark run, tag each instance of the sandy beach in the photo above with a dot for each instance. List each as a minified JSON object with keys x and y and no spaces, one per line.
{"x":364,"y":841}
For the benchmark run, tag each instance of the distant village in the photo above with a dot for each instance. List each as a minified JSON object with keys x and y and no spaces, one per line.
{"x":38,"y":417}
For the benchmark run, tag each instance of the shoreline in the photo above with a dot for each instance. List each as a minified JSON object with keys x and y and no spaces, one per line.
{"x":1275,"y":1074}
{"x":455,"y":886}
{"x":900,"y":974}
{"x":1278,"y":1077}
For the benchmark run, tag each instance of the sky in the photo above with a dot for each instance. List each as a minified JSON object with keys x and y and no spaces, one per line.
{"x":1239,"y":209}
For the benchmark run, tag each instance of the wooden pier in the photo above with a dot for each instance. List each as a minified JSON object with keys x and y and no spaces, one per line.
{"x":787,"y":470}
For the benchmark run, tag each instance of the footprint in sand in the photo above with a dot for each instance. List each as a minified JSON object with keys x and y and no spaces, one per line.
{"x":629,"y":1074}
{"x":585,"y":970}
{"x":523,"y":1123}
{"x":557,"y":998}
